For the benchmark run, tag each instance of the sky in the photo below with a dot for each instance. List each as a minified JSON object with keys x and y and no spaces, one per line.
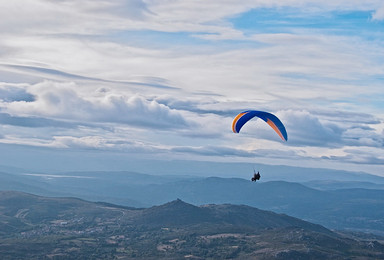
{"x":98,"y":83}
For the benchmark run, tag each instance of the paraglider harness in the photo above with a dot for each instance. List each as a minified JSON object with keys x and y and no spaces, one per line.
{"x":256,"y":176}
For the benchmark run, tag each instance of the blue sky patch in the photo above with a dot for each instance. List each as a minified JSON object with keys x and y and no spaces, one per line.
{"x":286,"y":20}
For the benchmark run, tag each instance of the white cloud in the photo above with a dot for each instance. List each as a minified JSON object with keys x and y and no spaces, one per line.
{"x":96,"y":142}
{"x":65,"y":101}
{"x":306,"y":129}
{"x":378,"y":15}
{"x":342,"y":129}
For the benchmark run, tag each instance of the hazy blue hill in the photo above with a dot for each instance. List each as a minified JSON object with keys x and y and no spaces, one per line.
{"x":357,"y":208}
{"x":180,"y":169}
{"x":302,"y":174}
{"x":126,"y":177}
{"x":359,"y":193}
{"x":236,"y":191}
{"x":245,"y":170}
{"x":19,"y":182}
{"x":335,"y":185}
{"x":115,"y":187}
{"x":11,"y":169}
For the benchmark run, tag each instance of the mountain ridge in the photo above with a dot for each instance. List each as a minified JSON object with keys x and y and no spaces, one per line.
{"x":71,"y":228}
{"x":334,"y":208}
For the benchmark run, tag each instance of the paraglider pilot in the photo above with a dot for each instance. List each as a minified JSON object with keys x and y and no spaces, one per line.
{"x":256,"y":176}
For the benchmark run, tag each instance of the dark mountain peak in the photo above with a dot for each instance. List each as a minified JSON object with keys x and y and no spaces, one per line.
{"x":175,"y":205}
{"x":178,"y":203}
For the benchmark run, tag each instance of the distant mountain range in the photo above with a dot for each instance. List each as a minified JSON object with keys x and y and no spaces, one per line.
{"x":35,"y":227}
{"x":336,"y":203}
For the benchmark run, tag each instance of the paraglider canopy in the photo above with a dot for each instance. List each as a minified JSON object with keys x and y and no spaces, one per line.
{"x":269,"y":118}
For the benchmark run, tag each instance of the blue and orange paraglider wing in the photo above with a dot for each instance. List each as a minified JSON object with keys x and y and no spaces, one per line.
{"x":269,"y":118}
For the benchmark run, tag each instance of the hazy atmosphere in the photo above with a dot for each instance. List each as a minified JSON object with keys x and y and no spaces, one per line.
{"x":180,"y":129}
{"x":96,"y":84}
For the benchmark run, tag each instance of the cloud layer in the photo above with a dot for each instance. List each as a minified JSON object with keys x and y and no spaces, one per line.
{"x":56,"y":100}
{"x":166,"y":78}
